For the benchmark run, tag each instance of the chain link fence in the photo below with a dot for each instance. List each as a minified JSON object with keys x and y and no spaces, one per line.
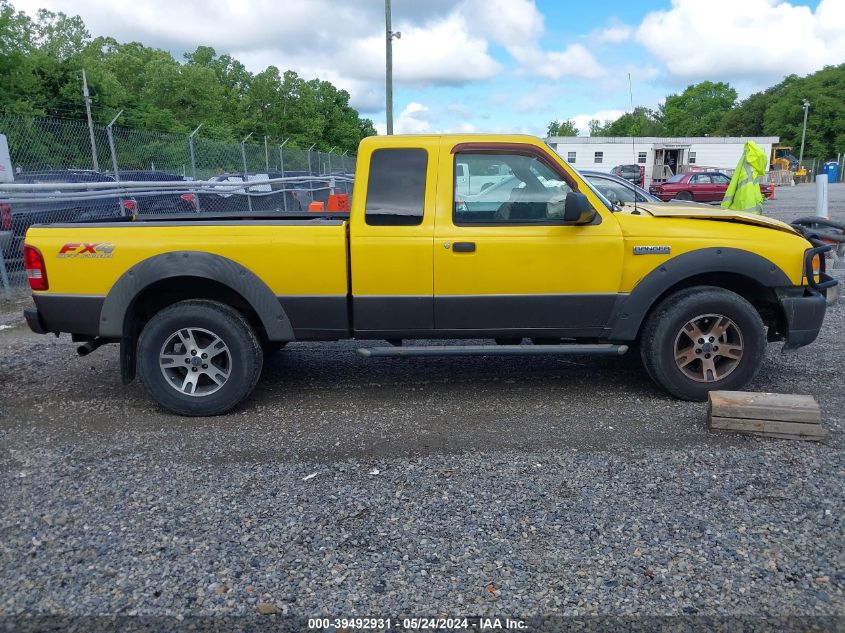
{"x":61,"y":170}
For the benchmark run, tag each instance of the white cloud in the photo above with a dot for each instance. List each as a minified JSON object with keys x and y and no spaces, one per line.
{"x":414,"y":119}
{"x":574,"y":60}
{"x":614,"y":34}
{"x":507,"y":22}
{"x":517,"y":25}
{"x":443,"y":52}
{"x":756,"y":40}
{"x":582,"y":121}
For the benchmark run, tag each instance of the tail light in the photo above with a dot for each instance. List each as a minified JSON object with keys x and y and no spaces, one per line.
{"x":36,"y":270}
{"x":5,"y":217}
{"x":190,"y":198}
{"x":130,"y":205}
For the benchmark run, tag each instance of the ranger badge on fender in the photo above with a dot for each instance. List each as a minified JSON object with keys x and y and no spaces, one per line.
{"x":652,"y":250}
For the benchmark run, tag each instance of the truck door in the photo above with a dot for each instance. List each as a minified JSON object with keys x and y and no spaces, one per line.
{"x":504,"y":262}
{"x":391,"y":234}
{"x":702,"y":187}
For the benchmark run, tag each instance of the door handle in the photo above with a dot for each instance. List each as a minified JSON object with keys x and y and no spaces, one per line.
{"x":464,"y":247}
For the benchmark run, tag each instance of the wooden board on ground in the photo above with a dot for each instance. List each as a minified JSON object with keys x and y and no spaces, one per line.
{"x":765,"y":406}
{"x":786,"y":416}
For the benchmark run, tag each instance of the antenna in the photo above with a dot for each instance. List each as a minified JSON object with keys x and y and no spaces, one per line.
{"x":633,"y":144}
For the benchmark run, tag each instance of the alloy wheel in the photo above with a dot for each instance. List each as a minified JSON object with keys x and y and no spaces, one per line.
{"x":195,"y":361}
{"x":708,"y":348}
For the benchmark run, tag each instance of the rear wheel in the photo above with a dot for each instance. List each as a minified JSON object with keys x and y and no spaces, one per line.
{"x":703,"y":339}
{"x":684,"y":195}
{"x":199,"y":358}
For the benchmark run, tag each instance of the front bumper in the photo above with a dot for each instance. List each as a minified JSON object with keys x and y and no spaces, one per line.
{"x":804,"y":317}
{"x":804,"y":306}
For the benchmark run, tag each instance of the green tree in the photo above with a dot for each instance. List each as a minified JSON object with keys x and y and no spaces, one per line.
{"x":698,"y":110}
{"x":641,"y":122}
{"x":779,"y":111}
{"x":562,"y":128}
{"x":22,"y":91}
{"x":596,"y":127}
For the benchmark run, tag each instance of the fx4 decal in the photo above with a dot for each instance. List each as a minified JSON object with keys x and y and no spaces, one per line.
{"x":84,"y":250}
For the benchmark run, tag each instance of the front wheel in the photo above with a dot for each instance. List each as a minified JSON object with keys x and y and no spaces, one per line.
{"x":199,"y":358}
{"x":703,"y":339}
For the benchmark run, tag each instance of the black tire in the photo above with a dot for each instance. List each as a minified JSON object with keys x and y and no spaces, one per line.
{"x":666,"y":335}
{"x":684,"y":195}
{"x":240,"y":367}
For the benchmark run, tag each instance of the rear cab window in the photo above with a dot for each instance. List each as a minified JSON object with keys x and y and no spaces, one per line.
{"x":396,"y":187}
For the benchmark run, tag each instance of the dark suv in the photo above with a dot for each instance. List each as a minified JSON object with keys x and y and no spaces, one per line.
{"x":632,"y":173}
{"x":19,"y":216}
{"x":168,"y":201}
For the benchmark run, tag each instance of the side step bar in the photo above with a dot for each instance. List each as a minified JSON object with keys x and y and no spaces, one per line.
{"x":603,"y":349}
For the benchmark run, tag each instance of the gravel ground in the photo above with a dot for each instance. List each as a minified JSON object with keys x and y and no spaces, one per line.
{"x":381,"y":488}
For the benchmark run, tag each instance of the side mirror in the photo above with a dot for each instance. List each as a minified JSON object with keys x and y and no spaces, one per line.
{"x":577,"y":209}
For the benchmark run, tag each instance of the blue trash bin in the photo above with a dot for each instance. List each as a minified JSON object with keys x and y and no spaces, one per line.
{"x":831,"y":168}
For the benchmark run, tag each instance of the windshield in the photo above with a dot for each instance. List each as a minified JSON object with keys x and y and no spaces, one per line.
{"x":676,"y":178}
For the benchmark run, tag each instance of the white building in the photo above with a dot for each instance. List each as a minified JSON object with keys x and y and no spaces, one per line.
{"x":661,"y":156}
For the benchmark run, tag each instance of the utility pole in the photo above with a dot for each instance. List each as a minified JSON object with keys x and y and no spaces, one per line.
{"x":389,"y":35}
{"x":803,"y":134}
{"x":90,"y":122}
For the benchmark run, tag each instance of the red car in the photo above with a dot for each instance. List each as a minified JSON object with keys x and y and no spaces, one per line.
{"x":700,"y":186}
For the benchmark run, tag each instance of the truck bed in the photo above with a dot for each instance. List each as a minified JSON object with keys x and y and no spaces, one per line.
{"x":301,"y":260}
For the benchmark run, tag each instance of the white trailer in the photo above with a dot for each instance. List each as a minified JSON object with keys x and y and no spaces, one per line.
{"x":660,"y":156}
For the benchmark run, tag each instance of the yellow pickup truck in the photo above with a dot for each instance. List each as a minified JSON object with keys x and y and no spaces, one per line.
{"x":537,"y":263}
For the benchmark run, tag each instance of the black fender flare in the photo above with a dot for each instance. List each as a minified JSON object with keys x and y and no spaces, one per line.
{"x":628,"y":317}
{"x":193,"y":264}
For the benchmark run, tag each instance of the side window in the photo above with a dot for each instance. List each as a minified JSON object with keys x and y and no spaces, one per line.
{"x":700,"y":179}
{"x":721,"y":179}
{"x":570,"y":157}
{"x":396,"y":188}
{"x":531,"y":192}
{"x":599,"y":157}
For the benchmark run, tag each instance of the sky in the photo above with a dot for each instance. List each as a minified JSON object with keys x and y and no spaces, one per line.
{"x":493,"y":65}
